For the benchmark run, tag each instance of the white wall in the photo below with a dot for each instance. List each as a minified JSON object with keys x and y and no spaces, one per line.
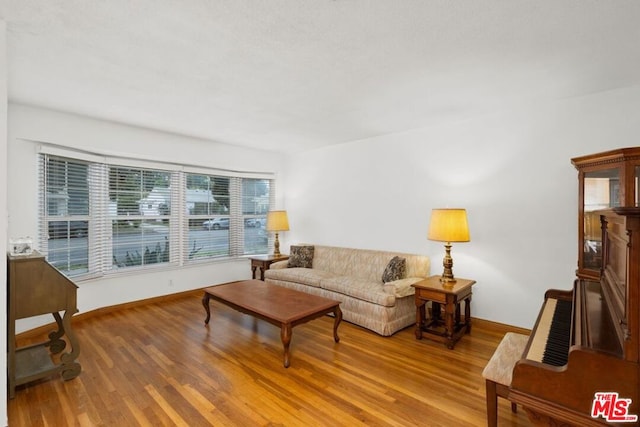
{"x":511,"y":171}
{"x":28,"y":124}
{"x":3,"y":218}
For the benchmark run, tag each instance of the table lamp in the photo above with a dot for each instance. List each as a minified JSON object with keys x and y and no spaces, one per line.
{"x":448,"y":225}
{"x":277,"y":221}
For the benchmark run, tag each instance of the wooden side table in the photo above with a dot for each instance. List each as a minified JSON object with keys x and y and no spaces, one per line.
{"x":450,"y":329}
{"x":264,"y":262}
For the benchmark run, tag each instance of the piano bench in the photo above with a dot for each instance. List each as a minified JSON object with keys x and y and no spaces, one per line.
{"x":497,"y":373}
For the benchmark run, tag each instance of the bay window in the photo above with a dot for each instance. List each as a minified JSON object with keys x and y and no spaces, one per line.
{"x":100,"y":215}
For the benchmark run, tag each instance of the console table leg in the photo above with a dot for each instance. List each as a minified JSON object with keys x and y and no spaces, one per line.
{"x":420,"y":319}
{"x":56,"y":344}
{"x":70,"y":368}
{"x":449,"y":314}
{"x":467,"y":313}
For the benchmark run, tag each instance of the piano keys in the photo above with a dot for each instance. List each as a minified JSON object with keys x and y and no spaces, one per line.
{"x":550,"y":344}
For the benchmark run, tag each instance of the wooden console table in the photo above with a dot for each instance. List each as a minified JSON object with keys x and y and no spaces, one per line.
{"x":450,"y":329}
{"x":35,"y":288}
{"x":263,"y":262}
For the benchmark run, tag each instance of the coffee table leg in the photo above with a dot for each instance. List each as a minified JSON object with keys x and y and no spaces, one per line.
{"x":205,"y":303}
{"x":337,"y":318}
{"x":285,"y":335}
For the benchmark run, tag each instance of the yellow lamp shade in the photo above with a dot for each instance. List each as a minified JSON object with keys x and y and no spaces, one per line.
{"x":277,"y":221}
{"x":449,"y":225}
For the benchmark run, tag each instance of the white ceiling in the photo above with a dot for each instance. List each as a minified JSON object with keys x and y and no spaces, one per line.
{"x":299,"y":74}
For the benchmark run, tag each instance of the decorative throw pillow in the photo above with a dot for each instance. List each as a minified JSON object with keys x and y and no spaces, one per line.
{"x":395,"y":270}
{"x":301,"y":256}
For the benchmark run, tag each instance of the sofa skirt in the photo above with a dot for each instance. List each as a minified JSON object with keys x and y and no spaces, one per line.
{"x":383,"y":320}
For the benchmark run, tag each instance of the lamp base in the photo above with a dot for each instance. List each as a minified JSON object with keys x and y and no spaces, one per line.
{"x":447,"y":278}
{"x":276,"y":247}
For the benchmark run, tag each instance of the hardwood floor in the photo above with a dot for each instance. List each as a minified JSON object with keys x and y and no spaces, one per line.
{"x":158,"y":365}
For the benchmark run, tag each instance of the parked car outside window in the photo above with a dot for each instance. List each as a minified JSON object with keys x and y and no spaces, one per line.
{"x":216,"y":223}
{"x":255,"y":222}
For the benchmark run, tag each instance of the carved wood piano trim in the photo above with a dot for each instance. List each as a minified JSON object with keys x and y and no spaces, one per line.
{"x":630,"y":320}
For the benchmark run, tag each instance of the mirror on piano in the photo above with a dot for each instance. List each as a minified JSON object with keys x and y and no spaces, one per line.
{"x":606,"y":180}
{"x":601,"y":191}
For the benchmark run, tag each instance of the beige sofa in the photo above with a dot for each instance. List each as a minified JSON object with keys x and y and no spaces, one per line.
{"x":354,"y":277}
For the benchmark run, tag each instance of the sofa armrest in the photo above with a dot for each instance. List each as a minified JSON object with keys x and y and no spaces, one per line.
{"x":279,"y":264}
{"x":401,"y":288}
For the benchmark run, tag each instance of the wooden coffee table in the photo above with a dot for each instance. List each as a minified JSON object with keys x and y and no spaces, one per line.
{"x":275,"y":304}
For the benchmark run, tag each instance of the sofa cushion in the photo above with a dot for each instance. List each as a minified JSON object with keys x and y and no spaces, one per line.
{"x":279,"y":264}
{"x":401,"y":288}
{"x":301,"y":256}
{"x":362,"y":289}
{"x":305,"y":276}
{"x":395,"y":270}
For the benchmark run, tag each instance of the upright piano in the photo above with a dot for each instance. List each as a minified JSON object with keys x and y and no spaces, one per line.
{"x":35,"y":287}
{"x":587,"y":340}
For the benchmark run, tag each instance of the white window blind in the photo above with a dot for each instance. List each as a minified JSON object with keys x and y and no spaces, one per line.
{"x":142,"y":217}
{"x":65,"y":213}
{"x":256,"y":196}
{"x":208,"y":216}
{"x":98,"y":218}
